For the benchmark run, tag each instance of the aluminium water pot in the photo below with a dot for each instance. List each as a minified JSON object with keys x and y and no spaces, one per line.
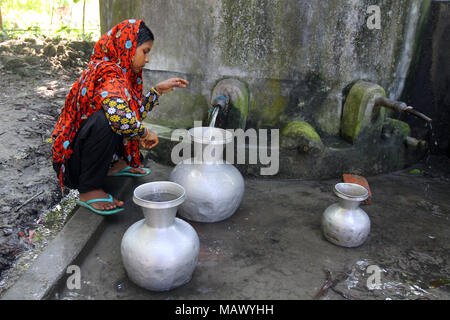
{"x":345,"y":223}
{"x":214,"y":187}
{"x":160,"y":252}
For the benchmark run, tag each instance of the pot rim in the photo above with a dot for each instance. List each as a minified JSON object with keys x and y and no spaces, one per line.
{"x":351,"y":191}
{"x":226,"y":135}
{"x":161,"y":186}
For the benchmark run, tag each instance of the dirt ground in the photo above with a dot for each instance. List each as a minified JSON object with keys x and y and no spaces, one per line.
{"x":36,"y":75}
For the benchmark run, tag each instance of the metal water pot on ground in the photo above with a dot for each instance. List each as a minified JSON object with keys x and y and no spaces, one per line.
{"x":160,"y":252}
{"x":345,"y":223}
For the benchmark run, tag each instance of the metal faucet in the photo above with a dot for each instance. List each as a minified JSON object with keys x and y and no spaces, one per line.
{"x":218,"y":104}
{"x":400,"y":107}
{"x":221,"y":101}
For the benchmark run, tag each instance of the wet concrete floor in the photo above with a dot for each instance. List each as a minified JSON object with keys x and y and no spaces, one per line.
{"x":273,"y":248}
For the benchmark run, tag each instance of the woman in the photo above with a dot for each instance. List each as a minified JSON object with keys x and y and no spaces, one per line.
{"x":100,"y":127}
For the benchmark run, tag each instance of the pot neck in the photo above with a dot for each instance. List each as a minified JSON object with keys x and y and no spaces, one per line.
{"x":208,"y":153}
{"x":160,"y":218}
{"x":349,"y":204}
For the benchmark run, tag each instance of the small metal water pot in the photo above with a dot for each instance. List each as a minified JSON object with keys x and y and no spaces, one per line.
{"x":345,"y":223}
{"x":160,"y":252}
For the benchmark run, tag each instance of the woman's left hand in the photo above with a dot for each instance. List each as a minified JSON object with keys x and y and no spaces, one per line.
{"x":149,"y":140}
{"x":169,"y":84}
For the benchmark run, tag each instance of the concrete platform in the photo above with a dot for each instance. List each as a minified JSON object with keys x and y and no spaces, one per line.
{"x":273,"y":248}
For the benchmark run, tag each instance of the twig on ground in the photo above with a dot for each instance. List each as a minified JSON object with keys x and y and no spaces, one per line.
{"x":29,"y":200}
{"x":331,"y":283}
{"x":325,"y":286}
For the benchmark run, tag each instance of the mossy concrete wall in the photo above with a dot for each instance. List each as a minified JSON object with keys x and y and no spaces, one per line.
{"x":296,"y":56}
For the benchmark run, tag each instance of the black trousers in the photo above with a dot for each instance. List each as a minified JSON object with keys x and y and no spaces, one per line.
{"x":93,"y":148}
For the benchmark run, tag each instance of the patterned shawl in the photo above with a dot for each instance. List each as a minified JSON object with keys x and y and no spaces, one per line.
{"x":109,"y":74}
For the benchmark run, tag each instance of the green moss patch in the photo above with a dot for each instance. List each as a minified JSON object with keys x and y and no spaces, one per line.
{"x":268,"y":104}
{"x":300,"y":135}
{"x":356,"y":117}
{"x":397,"y":127}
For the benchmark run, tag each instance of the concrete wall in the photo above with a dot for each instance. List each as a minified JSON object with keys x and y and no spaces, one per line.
{"x":295,"y":56}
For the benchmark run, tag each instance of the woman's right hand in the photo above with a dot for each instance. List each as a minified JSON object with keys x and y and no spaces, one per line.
{"x":169,"y":84}
{"x":149,"y":139}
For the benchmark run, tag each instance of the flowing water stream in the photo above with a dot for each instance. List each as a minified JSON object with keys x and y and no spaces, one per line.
{"x":432,"y":143}
{"x":215,"y":112}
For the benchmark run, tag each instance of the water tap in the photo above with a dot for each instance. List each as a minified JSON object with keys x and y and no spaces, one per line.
{"x":221,"y":101}
{"x":400,"y":107}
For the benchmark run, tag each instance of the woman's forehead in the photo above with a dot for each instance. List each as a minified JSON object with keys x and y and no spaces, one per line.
{"x":147,"y":44}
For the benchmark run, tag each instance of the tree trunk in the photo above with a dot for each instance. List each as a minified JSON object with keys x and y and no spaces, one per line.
{"x":51,"y":19}
{"x":1,"y":20}
{"x":84,"y":10}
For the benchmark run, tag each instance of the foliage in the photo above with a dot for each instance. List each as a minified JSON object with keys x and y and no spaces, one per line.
{"x":35,"y":30}
{"x":34,"y":5}
{"x":39,"y":18}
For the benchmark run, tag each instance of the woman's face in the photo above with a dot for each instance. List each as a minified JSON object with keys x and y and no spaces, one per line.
{"x":141,"y":56}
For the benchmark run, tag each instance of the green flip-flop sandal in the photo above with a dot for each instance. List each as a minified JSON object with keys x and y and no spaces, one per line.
{"x":87,"y":204}
{"x":124,"y":172}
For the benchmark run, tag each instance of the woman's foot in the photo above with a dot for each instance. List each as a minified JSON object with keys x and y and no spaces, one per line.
{"x":119,"y":165}
{"x":100,"y":194}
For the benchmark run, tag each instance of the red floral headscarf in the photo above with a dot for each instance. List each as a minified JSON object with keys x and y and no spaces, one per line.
{"x":109,"y":74}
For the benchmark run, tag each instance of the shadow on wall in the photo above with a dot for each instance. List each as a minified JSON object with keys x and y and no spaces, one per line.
{"x":428,"y":83}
